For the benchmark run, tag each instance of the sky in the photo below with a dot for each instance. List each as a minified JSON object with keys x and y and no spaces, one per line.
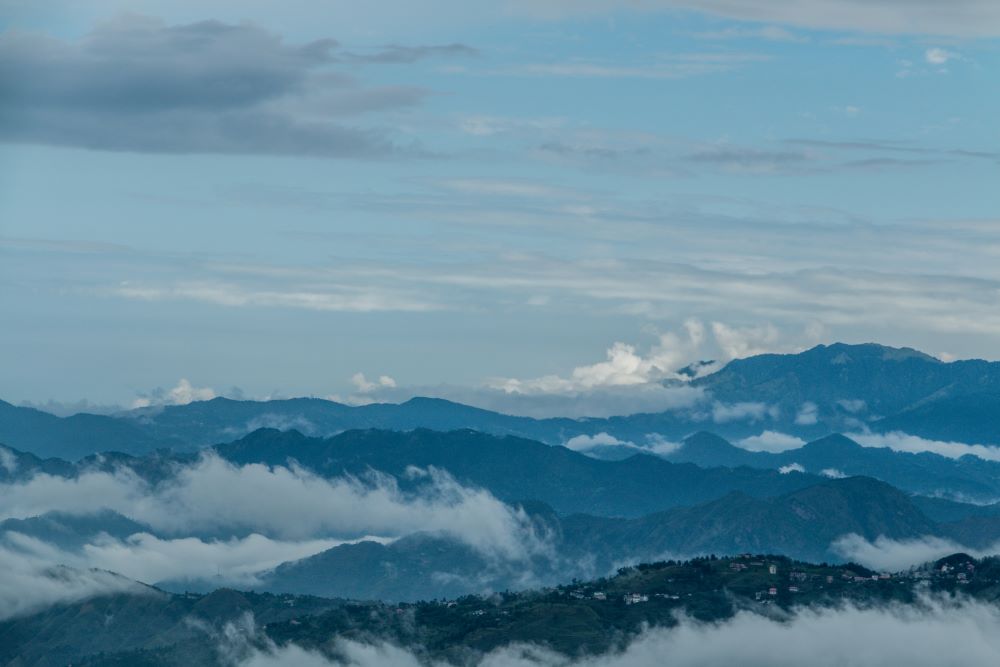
{"x":527,"y":198}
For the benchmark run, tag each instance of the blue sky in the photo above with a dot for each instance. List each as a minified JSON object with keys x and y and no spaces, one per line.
{"x":499,"y":203}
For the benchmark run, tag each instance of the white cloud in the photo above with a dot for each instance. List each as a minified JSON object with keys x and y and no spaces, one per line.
{"x":331,"y":297}
{"x":150,"y":559}
{"x":657,"y":444}
{"x":7,"y":460}
{"x":832,"y":473}
{"x":29,"y":582}
{"x":904,"y":442}
{"x":808,"y":414}
{"x":181,"y":394}
{"x":624,"y":366}
{"x":583,"y":443}
{"x":628,"y":381}
{"x":771,"y":33}
{"x":771,"y":441}
{"x":896,"y":555}
{"x":362,"y":384}
{"x":790,"y":468}
{"x":654,"y":444}
{"x":939,"y":56}
{"x":928,"y":634}
{"x":215,"y":496}
{"x":232,"y":562}
{"x":741,"y":342}
{"x":636,"y":376}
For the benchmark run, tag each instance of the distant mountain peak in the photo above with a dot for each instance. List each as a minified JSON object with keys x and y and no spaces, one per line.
{"x":706,"y":440}
{"x":833,"y":442}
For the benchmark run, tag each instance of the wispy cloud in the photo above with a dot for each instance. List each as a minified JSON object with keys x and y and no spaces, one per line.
{"x":671,"y":66}
{"x":328,"y":297}
{"x":938,"y":56}
{"x":395,"y":54}
{"x":771,"y":33}
{"x":904,"y":442}
{"x":771,"y":441}
{"x":181,"y":394}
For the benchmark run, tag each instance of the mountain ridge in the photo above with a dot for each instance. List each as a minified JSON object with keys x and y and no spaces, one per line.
{"x":823,"y":390}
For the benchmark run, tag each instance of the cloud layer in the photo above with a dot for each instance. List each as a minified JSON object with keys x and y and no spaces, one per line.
{"x":935,"y":632}
{"x":216,"y":498}
{"x":152,"y":560}
{"x":904,"y":442}
{"x":896,"y":555}
{"x":216,"y":523}
{"x":31,"y":580}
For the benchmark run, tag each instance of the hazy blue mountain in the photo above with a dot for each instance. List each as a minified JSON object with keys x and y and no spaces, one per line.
{"x":966,"y":417}
{"x":710,"y":450}
{"x":70,"y":438}
{"x":222,"y":419}
{"x":887,"y":379}
{"x":866,"y":382}
{"x":72,"y":531}
{"x":800,"y":524}
{"x":887,"y":388}
{"x":947,"y":511}
{"x":925,"y":473}
{"x":16,"y":465}
{"x":417,"y":567}
{"x":975,"y":532}
{"x":850,"y":386}
{"x":514,"y":468}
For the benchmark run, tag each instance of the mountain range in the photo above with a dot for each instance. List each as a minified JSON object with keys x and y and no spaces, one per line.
{"x":578,"y":498}
{"x":803,"y":524}
{"x":591,"y":514}
{"x":827,"y":389}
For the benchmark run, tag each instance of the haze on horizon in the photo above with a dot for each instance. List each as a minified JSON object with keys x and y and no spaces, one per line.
{"x":548,"y":198}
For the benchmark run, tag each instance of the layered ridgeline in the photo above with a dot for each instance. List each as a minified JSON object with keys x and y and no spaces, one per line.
{"x":927,"y":473}
{"x":828,"y":389}
{"x":632,"y":610}
{"x":454,"y":513}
